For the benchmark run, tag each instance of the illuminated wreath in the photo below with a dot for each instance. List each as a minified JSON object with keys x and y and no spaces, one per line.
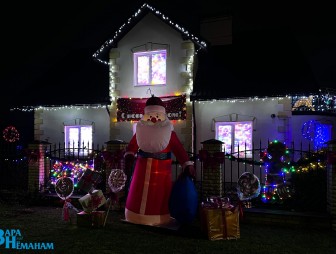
{"x":10,"y":134}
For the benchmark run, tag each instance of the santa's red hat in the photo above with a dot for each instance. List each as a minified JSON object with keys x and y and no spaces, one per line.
{"x":154,"y":104}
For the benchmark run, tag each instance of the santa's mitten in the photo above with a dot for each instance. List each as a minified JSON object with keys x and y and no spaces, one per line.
{"x":190,"y":171}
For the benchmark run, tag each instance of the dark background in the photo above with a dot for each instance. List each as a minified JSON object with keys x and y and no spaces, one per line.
{"x":47,"y":44}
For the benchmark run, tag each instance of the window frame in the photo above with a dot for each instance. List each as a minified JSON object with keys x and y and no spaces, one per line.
{"x":234,"y":145}
{"x":76,"y":147}
{"x":149,"y":54}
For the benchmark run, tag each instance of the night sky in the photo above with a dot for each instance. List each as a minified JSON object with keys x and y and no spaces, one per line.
{"x":36,"y":37}
{"x":40,"y":40}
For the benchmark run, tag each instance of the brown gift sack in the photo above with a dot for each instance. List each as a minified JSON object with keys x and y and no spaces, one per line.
{"x":220,"y":223}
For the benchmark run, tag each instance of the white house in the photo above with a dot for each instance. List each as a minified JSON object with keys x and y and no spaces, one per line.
{"x":211,"y":92}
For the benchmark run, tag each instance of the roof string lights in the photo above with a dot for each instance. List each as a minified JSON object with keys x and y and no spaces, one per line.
{"x":109,"y":42}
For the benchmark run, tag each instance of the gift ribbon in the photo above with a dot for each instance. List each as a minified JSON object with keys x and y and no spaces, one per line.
{"x":66,"y":206}
{"x":224,"y":224}
{"x":66,"y":216}
{"x":95,"y":201}
{"x":241,"y":210}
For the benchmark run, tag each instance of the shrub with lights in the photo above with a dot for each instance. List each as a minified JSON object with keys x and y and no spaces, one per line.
{"x":71,"y":169}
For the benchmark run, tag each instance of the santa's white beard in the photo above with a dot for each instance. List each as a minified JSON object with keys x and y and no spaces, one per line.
{"x":153,"y":138}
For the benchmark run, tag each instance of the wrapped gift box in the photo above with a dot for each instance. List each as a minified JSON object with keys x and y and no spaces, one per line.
{"x":89,"y":180}
{"x":98,"y":218}
{"x":94,"y":219}
{"x":92,"y":201}
{"x":220,"y":223}
{"x":84,"y":219}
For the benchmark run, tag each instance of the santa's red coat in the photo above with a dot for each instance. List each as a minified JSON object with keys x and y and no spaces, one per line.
{"x":148,"y":197}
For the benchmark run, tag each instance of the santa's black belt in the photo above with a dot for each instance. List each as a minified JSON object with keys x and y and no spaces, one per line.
{"x":158,"y":156}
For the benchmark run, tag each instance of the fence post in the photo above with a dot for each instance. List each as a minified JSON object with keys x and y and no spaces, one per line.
{"x":331,"y":181}
{"x":38,"y":166}
{"x":212,"y":182}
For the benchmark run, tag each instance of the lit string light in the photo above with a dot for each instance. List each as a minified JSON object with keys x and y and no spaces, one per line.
{"x":109,"y":43}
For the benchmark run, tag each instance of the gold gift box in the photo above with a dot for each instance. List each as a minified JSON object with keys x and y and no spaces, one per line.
{"x":220,"y":223}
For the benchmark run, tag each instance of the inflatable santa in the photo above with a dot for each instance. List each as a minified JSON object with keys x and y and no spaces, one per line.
{"x":150,"y":188}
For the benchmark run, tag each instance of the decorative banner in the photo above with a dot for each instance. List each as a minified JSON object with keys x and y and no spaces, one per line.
{"x":132,"y":109}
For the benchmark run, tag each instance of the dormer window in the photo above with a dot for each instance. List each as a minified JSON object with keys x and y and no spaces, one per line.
{"x":150,"y":68}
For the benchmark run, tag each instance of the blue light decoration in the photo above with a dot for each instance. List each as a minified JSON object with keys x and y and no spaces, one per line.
{"x":71,"y":169}
{"x":316,"y":132}
{"x":277,"y":162}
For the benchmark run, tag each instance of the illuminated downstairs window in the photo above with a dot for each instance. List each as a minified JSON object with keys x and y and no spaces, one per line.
{"x":236,"y":135}
{"x":78,"y":139}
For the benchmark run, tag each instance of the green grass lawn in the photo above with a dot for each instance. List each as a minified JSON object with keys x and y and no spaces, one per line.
{"x":45,"y":224}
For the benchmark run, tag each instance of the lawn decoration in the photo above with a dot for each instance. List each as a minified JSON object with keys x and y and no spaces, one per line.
{"x":117,"y":180}
{"x":316,"y":132}
{"x":151,"y":185}
{"x":64,"y":188}
{"x":10,"y":134}
{"x":248,"y":186}
{"x":183,"y":202}
{"x":89,"y":180}
{"x":277,"y":164}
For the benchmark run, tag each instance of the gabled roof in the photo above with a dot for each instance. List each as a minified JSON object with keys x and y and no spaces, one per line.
{"x":257,"y":64}
{"x":101,"y":54}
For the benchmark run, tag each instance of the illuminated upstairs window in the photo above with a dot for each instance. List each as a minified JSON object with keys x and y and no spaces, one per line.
{"x":150,"y":68}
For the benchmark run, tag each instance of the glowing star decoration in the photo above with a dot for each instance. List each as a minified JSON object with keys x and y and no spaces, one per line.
{"x":277,"y":164}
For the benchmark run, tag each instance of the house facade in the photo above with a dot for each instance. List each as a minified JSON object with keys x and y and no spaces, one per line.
{"x":195,"y":119}
{"x":115,"y":121}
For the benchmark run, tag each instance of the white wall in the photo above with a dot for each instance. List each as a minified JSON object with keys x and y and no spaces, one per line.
{"x":265,"y":127}
{"x":150,"y":29}
{"x":52,"y":126}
